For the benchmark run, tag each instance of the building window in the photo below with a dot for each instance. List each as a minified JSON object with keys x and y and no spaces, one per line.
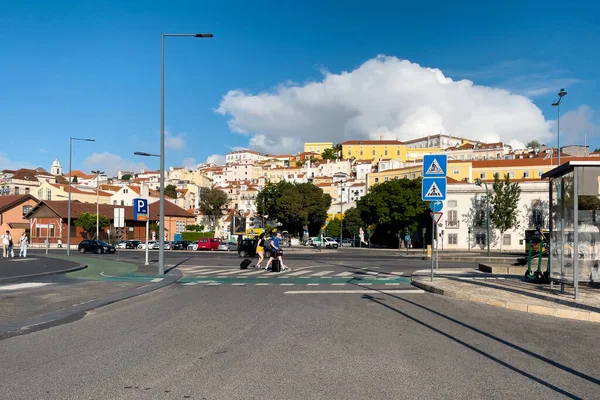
{"x":179,"y":226}
{"x":483,"y":157}
{"x":540,"y":173}
{"x":462,"y":156}
{"x":456,"y":172}
{"x":386,"y":178}
{"x":511,"y":174}
{"x":26,"y":209}
{"x":349,"y":153}
{"x":506,"y":239}
{"x":452,"y":203}
{"x":497,"y":156}
{"x":51,"y":232}
{"x":482,"y":175}
{"x":405,"y":176}
{"x":122,"y":202}
{"x":361,"y":152}
{"x":26,"y":190}
{"x":48,"y":194}
{"x":480,"y":239}
{"x":397,"y":152}
{"x":526,"y":174}
{"x":17,"y":190}
{"x":396,"y":177}
{"x":452,"y":219}
{"x":452,"y":238}
{"x":413,"y":176}
{"x":373,"y":151}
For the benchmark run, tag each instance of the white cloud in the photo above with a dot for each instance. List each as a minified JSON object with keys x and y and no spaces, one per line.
{"x":112,"y":163}
{"x":575,"y":125}
{"x":384,"y":97}
{"x":174,"y":142}
{"x":216,"y":159}
{"x":189,"y":162}
{"x":7,"y":163}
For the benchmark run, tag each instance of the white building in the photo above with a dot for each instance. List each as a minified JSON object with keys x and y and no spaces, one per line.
{"x":238,"y":171}
{"x":435,"y":141}
{"x":56,"y":168}
{"x":125,"y":195}
{"x":330,"y":168}
{"x":244,"y":155}
{"x":464,"y":212}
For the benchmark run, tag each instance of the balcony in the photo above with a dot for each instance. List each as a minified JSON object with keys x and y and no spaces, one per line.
{"x":450,"y":224}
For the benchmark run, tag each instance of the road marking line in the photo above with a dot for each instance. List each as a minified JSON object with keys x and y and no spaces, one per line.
{"x":322,"y":273}
{"x":208,"y":271}
{"x":298,"y":273}
{"x":338,"y":284}
{"x":156,"y":279}
{"x":392,"y":291}
{"x":286,"y":284}
{"x":262,"y":271}
{"x":396,"y":273}
{"x":312,"y":284}
{"x":345,"y":274}
{"x":238,"y":284}
{"x":365,"y":284}
{"x":190,"y":283}
{"x":392,"y":284}
{"x":237,"y":271}
{"x":18,"y":286}
{"x":213,"y":284}
{"x":326,"y":277}
{"x":261,"y":284}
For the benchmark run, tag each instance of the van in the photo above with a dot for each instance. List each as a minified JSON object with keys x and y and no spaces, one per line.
{"x":208,"y":243}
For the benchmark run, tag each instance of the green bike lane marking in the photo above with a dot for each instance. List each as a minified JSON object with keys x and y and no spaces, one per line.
{"x":101,"y":269}
{"x":275,"y":280}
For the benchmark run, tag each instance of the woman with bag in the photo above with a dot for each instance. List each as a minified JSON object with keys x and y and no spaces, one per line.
{"x":260,"y":249}
{"x":8,"y":245}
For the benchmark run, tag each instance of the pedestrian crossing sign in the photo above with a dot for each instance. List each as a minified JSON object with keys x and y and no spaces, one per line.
{"x":433,"y":189}
{"x":435,"y":165}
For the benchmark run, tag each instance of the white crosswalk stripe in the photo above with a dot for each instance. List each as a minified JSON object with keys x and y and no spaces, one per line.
{"x":299,"y":273}
{"x":345,"y":274}
{"x":322,"y":273}
{"x":199,"y":271}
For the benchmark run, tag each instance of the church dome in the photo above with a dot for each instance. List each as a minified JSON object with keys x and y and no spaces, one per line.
{"x":56,"y":163}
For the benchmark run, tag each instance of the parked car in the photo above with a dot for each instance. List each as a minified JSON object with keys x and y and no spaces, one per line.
{"x":227,"y":246}
{"x":328,"y":242}
{"x":347,"y":242}
{"x":95,"y":246}
{"x":128,"y":244}
{"x":156,"y":246}
{"x":208,"y":243}
{"x":120,"y":245}
{"x":192,"y":246}
{"x":142,"y":245}
{"x":180,"y":245}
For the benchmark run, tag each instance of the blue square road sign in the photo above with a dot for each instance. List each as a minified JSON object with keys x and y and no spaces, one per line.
{"x":435,"y":165}
{"x":140,"y":209}
{"x":433,"y":189}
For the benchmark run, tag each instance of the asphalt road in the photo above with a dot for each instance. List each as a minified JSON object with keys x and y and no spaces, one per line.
{"x":35,"y":264}
{"x":275,"y":342}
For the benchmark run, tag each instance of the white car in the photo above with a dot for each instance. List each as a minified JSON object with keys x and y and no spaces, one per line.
{"x":193,"y":246}
{"x":227,"y":246}
{"x":121,"y":245}
{"x":142,"y":246}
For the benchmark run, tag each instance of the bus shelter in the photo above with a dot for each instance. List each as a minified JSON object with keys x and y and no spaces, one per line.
{"x":574,"y":220}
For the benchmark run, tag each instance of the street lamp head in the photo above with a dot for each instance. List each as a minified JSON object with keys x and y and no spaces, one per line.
{"x":555,"y":104}
{"x":562,"y":93}
{"x":141,"y":153}
{"x":203,"y":35}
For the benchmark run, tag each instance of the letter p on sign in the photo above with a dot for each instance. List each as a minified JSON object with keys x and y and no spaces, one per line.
{"x":140,"y":209}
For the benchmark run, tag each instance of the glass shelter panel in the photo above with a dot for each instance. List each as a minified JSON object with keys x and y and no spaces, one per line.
{"x":588,"y":222}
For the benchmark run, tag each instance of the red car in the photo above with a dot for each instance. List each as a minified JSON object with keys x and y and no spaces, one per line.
{"x":208,"y":243}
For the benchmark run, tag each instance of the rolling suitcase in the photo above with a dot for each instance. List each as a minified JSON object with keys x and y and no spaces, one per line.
{"x":275,"y":266}
{"x":245,"y":264}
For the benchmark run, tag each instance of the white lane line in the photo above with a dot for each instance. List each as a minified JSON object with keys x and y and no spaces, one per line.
{"x":261,"y":284}
{"x":213,"y":284}
{"x":18,"y":286}
{"x":392,"y":284}
{"x":338,"y":284}
{"x":286,"y":284}
{"x":345,"y":274}
{"x":322,"y":273}
{"x":392,"y":291}
{"x":156,"y":279}
{"x":208,"y":271}
{"x":365,"y":284}
{"x":396,"y":273}
{"x":238,"y":284}
{"x":190,"y":283}
{"x":262,"y":271}
{"x":312,"y":284}
{"x":299,"y":273}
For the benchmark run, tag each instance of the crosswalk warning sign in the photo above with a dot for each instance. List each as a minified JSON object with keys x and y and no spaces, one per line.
{"x":434,"y":168}
{"x":434,"y":191}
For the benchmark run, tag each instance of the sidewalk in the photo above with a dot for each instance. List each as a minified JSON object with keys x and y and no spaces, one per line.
{"x":512,"y":292}
{"x":14,"y":268}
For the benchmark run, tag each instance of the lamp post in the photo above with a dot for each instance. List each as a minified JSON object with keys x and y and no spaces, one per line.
{"x":161,"y":239}
{"x":70,"y":181}
{"x":487,"y":211}
{"x":556,"y":104}
{"x":342,"y":189}
{"x":97,"y":172}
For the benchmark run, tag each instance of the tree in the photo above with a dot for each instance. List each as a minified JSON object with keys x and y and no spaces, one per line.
{"x":87,"y":221}
{"x":329,"y":154}
{"x":74,"y":180}
{"x":352,"y":222}
{"x":534,"y":144}
{"x":211,"y":204}
{"x":392,"y":207}
{"x":126,"y":177}
{"x":171,"y":191}
{"x":194,"y":228}
{"x":333,"y":227}
{"x":504,"y":201}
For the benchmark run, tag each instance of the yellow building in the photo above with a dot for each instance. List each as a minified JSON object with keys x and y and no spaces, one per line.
{"x":459,"y":171}
{"x":519,"y":168}
{"x":60,"y":192}
{"x":384,"y":149}
{"x":317,"y":147}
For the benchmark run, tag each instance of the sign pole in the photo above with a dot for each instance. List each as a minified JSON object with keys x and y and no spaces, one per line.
{"x":147,"y":232}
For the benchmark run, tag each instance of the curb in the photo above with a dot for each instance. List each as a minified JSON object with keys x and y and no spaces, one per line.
{"x":589,"y":316}
{"x":61,"y":271}
{"x":76,"y":312}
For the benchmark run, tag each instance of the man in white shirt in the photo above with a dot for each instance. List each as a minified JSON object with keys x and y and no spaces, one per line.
{"x":24,"y":241}
{"x":6,"y":241}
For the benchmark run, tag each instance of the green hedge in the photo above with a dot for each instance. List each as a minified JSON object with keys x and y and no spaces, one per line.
{"x":194,"y":236}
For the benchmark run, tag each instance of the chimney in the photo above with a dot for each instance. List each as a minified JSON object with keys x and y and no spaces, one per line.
{"x":144,"y":191}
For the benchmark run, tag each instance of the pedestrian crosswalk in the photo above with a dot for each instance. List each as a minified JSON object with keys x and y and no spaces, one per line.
{"x":305,"y":272}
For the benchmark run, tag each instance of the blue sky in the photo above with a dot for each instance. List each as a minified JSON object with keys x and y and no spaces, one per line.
{"x":92,"y":69}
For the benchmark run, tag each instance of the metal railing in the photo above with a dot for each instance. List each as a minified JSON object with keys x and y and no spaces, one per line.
{"x":450,"y":224}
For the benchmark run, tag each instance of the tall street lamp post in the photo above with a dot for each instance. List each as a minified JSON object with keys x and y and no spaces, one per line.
{"x":97,"y":172}
{"x":342,"y":189}
{"x":556,"y":104}
{"x":161,"y":243}
{"x":70,"y":182}
{"x":487,"y":211}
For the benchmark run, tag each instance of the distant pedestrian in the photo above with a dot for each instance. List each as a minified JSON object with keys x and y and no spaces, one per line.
{"x":59,"y":243}
{"x":276,"y":252}
{"x":5,"y":242}
{"x":24,"y":241}
{"x":260,"y":250}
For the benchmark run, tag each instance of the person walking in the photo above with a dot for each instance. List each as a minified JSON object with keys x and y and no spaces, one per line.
{"x":260,"y":250}
{"x":5,"y":242}
{"x":24,"y":241}
{"x":277,"y":252}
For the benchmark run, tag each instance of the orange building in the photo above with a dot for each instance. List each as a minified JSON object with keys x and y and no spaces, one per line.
{"x":12,"y":214}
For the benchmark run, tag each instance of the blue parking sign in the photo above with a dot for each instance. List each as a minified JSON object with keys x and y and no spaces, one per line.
{"x":140,"y":209}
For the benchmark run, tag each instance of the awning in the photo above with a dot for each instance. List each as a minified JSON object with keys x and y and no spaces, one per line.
{"x":19,"y":225}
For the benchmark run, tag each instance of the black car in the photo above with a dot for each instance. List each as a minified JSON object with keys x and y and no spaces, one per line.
{"x":95,"y":246}
{"x":132,"y":244}
{"x":180,"y":245}
{"x":247,"y":248}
